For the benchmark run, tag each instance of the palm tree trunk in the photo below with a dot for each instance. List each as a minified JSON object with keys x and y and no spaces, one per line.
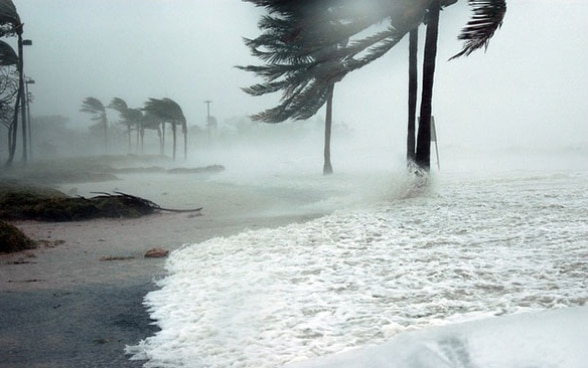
{"x":161,"y":138}
{"x":412,"y":94}
{"x":142,"y":133}
{"x":13,"y":130}
{"x":185,"y":132}
{"x":139,"y":136}
{"x":423,"y":151}
{"x":174,"y":144}
{"x":129,"y":136}
{"x":105,"y":125}
{"x":327,"y":167}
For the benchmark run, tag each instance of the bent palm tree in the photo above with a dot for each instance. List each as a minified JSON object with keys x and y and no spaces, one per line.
{"x":167,"y":110}
{"x":130,"y":117}
{"x":94,"y":107}
{"x":150,"y":122}
{"x":314,"y":63}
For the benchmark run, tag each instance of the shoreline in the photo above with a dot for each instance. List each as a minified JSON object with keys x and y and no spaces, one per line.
{"x":64,"y":305}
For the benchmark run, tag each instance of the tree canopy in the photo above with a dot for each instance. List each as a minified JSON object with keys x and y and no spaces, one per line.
{"x":308,"y":45}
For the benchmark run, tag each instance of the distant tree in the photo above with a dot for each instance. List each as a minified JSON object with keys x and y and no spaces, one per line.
{"x":149,"y":121}
{"x":168,"y":111}
{"x":131,"y":118}
{"x":95,"y":107}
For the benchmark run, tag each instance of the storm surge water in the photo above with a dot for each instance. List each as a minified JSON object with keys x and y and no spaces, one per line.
{"x":400,"y":259}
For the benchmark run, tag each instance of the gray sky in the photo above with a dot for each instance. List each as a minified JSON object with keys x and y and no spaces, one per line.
{"x":529,"y":88}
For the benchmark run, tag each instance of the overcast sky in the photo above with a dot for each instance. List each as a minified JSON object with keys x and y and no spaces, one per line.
{"x":530,"y":87}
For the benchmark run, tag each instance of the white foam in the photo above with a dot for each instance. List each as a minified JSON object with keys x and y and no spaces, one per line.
{"x":471,"y":248}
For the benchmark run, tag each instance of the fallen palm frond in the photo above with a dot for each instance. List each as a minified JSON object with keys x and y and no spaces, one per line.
{"x":54,"y":206}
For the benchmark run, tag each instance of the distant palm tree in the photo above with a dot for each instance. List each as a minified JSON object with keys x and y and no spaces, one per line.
{"x":151,"y":122}
{"x":168,"y":111}
{"x":130,"y":117}
{"x":93,"y":106}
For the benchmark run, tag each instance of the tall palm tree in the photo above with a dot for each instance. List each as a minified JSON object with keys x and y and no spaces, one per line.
{"x":10,"y":24}
{"x":286,"y":32}
{"x":167,"y":110}
{"x":486,"y":19}
{"x":306,"y":80}
{"x":95,"y":107}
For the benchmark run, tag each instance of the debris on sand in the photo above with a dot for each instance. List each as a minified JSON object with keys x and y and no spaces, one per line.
{"x":46,"y":205}
{"x":156,"y":253}
{"x":13,"y":240}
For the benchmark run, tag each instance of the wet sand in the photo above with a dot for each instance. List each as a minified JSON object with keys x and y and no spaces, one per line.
{"x":76,"y":301}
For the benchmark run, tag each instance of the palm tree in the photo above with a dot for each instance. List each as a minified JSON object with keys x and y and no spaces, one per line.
{"x":10,"y":24}
{"x":487,"y":18}
{"x":167,"y":110}
{"x":130,"y":117}
{"x":151,"y":122}
{"x":300,"y":82}
{"x":93,"y":106}
{"x":309,"y":71}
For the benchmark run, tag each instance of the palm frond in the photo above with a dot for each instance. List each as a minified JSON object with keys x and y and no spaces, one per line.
{"x":93,"y":105}
{"x":166,"y":110}
{"x":9,"y":19}
{"x":118,"y":104}
{"x":486,"y":19}
{"x":7,"y":55}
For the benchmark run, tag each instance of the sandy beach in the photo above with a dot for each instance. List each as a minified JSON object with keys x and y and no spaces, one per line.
{"x":76,"y":301}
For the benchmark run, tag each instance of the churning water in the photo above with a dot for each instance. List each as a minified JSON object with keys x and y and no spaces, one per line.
{"x":466,"y":248}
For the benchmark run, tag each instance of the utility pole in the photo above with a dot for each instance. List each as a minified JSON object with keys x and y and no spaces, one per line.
{"x":28,"y":101}
{"x":23,"y":96}
{"x":208,"y":122}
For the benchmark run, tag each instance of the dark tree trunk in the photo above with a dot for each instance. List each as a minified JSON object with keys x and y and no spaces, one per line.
{"x":174,"y":144}
{"x":142,"y":135}
{"x":12,"y":131}
{"x":129,"y":135}
{"x":139,"y":139}
{"x":327,"y":167}
{"x":412,"y":94}
{"x":185,"y":132}
{"x":423,"y":151}
{"x":105,"y":124}
{"x":161,"y":138}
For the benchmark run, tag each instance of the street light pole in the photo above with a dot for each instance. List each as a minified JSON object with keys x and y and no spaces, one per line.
{"x":208,"y":124}
{"x":27,"y":101}
{"x":22,"y":84}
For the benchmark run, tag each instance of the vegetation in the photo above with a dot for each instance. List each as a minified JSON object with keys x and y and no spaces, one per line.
{"x":167,"y":110}
{"x":12,"y":239}
{"x":308,"y":46}
{"x":94,"y":106}
{"x":36,"y":203}
{"x":11,"y":25}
